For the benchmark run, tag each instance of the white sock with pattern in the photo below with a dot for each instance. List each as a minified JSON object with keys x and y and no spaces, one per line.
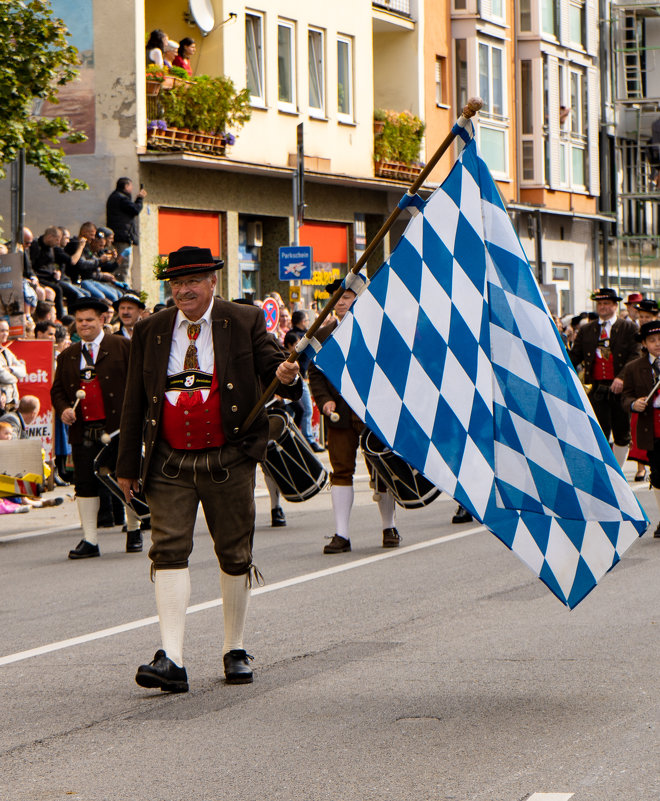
{"x":273,"y":491}
{"x":235,"y":602}
{"x":172,"y":597}
{"x":132,"y":520}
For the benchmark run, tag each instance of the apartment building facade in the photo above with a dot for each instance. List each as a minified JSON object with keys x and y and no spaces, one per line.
{"x":327,"y":67}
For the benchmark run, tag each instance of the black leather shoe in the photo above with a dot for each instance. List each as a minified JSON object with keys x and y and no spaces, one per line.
{"x":145,"y":524}
{"x":656,"y":533}
{"x":391,"y":538}
{"x":277,"y":517}
{"x":462,"y":516}
{"x":84,"y":550}
{"x":237,"y":667}
{"x":134,"y":541}
{"x":163,"y":673}
{"x":337,"y":545}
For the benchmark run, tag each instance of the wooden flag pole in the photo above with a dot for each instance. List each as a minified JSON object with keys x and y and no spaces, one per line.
{"x":472,"y":107}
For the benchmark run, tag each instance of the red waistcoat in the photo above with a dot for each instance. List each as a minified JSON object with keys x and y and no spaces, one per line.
{"x":92,"y":405}
{"x":194,"y":428}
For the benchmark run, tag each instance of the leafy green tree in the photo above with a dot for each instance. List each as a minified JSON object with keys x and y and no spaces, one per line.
{"x":36,"y":61}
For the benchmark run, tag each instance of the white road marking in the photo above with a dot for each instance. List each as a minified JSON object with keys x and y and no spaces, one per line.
{"x":278,"y":585}
{"x":39,"y":532}
{"x":551,"y":797}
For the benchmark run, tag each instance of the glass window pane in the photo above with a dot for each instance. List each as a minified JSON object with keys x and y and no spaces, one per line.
{"x":484,"y":83}
{"x":284,"y":66}
{"x":461,"y":73}
{"x":528,"y":160}
{"x":525,"y":15}
{"x":548,"y":16}
{"x":563,"y":164}
{"x":253,"y":53}
{"x":315,"y":55}
{"x":491,"y":144}
{"x":578,"y":166}
{"x":498,"y":89}
{"x":575,"y":23}
{"x":343,"y":77}
{"x":497,"y":8}
{"x":575,"y":103}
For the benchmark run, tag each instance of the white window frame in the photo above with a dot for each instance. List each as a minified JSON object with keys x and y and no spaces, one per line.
{"x":350,"y":115}
{"x":491,"y":120}
{"x":287,"y":105}
{"x":502,"y":15}
{"x":573,"y":133}
{"x":317,"y":111}
{"x":258,"y":100}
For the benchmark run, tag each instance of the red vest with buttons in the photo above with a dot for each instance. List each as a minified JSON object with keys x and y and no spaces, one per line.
{"x":91,"y":405}
{"x":194,"y":428}
{"x":603,"y":369}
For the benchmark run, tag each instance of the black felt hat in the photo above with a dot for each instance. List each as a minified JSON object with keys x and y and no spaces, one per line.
{"x":190,"y":260}
{"x":82,"y":304}
{"x":647,"y":329}
{"x":647,"y":305}
{"x":334,"y":286}
{"x":129,"y":297}
{"x":605,"y":293}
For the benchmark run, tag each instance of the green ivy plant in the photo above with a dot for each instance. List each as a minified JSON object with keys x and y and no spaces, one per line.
{"x":36,"y":61}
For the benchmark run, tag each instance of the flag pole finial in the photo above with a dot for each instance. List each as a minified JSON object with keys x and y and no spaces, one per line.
{"x":473,"y":105}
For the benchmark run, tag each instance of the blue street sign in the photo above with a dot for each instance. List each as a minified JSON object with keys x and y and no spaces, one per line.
{"x":295,"y":263}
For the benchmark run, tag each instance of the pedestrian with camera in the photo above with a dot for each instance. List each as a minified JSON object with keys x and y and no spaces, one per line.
{"x":121,"y":216}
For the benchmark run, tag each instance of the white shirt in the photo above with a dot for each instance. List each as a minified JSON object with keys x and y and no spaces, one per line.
{"x":92,"y":347}
{"x":180,"y":342}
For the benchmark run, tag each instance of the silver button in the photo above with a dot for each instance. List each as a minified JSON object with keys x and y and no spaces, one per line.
{"x":155,"y":399}
{"x":230,"y":386}
{"x":185,"y":412}
{"x":236,"y":430}
{"x":153,"y":422}
{"x":234,"y":408}
{"x":188,"y":445}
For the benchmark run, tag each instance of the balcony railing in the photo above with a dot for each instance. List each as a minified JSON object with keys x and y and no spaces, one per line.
{"x":397,"y":6}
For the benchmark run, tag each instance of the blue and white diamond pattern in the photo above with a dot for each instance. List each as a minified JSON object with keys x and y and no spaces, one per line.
{"x":451,"y":358}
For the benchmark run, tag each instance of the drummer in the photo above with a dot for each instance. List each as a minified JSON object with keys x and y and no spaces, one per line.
{"x":343,"y":442}
{"x":97,"y":365}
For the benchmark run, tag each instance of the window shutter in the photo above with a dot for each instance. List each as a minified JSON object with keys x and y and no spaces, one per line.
{"x":593,"y":27}
{"x":564,"y":28}
{"x":553,"y":122}
{"x":593,"y":117}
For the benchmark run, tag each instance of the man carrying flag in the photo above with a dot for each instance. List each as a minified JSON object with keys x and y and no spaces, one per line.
{"x":451,"y":357}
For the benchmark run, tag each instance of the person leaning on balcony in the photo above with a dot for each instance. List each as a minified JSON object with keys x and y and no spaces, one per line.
{"x":156,"y":47}
{"x":187,"y":48}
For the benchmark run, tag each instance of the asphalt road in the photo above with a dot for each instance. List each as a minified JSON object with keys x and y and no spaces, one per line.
{"x":442,"y":670}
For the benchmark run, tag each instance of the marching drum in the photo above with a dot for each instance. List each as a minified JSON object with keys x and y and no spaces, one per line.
{"x":408,"y":486}
{"x":105,"y":466}
{"x":290,"y":461}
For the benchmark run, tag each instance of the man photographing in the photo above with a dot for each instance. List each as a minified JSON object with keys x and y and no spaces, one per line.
{"x":195,"y":373}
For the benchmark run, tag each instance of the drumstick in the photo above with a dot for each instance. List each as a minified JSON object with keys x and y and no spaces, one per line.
{"x":334,"y":417}
{"x":80,"y":394}
{"x":648,"y":397}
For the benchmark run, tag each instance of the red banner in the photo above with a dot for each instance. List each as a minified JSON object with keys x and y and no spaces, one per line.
{"x":39,"y":361}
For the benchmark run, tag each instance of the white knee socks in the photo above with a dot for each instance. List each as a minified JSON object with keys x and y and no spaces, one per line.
{"x":88,"y":509}
{"x":172,"y":597}
{"x":621,"y":454}
{"x":342,"y":503}
{"x":273,"y":491}
{"x":235,"y":601}
{"x":386,"y":509}
{"x":132,"y":520}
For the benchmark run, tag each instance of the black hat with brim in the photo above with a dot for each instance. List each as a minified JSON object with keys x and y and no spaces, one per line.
{"x":647,"y":305}
{"x":129,"y":297}
{"x":606,"y":294}
{"x":190,"y":260}
{"x":652,"y":327}
{"x":334,"y":286}
{"x":83,"y":304}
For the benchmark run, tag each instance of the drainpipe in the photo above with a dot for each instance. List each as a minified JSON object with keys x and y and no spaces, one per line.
{"x":606,"y":166}
{"x":539,"y":247}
